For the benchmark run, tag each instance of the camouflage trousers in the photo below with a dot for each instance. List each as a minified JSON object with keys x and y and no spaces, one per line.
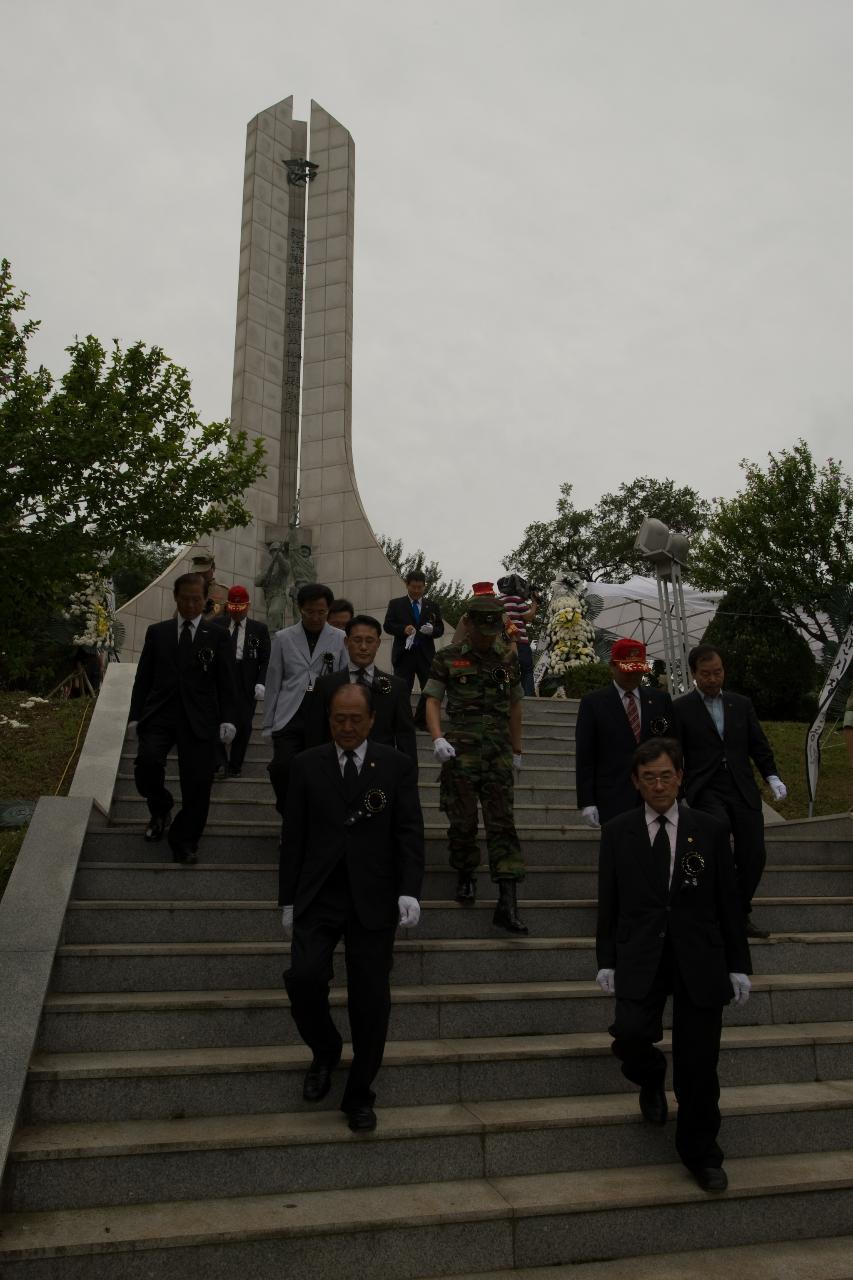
{"x":488,"y":779}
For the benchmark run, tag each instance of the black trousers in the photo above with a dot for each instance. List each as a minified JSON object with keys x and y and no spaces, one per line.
{"x":286,"y":744}
{"x":414,"y":662}
{"x":196,"y":763}
{"x":235,"y":754}
{"x":637,"y":1028}
{"x":722,"y":800}
{"x":369,"y":956}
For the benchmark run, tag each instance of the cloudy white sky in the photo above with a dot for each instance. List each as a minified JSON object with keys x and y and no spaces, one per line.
{"x":594,"y":238}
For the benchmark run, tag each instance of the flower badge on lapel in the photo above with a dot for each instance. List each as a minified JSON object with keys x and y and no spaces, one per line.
{"x":382,"y":684}
{"x":375,"y":800}
{"x":328,"y":663}
{"x":659,"y":727}
{"x":692,"y":865}
{"x":205,"y":657}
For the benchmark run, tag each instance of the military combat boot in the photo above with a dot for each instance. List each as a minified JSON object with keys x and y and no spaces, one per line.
{"x":506,"y":912}
{"x":466,"y":889}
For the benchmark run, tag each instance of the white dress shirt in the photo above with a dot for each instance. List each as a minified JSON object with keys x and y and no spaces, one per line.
{"x":358,"y":754}
{"x":193,"y":623}
{"x":368,"y":673}
{"x":671,"y":816}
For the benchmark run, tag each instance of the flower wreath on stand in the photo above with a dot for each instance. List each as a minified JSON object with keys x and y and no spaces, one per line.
{"x":568,"y":637}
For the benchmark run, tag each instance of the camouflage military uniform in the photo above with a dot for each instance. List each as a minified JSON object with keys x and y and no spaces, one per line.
{"x":480,"y":689}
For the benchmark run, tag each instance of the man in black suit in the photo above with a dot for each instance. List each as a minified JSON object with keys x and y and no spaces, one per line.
{"x":351,"y":867}
{"x":415,"y":623}
{"x":720,"y":734}
{"x":184,"y":693}
{"x":611,"y":723}
{"x":393,"y":725}
{"x":250,"y":644}
{"x":669,"y":922}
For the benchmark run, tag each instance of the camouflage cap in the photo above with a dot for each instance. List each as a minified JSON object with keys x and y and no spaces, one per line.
{"x":486,"y":614}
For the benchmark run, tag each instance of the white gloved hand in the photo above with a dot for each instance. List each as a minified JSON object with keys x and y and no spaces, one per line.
{"x":606,"y":979}
{"x":287,"y":918}
{"x":259,"y":690}
{"x":442,"y":750}
{"x":777,"y":786}
{"x":590,"y":815}
{"x":426,"y":629}
{"x":516,"y":766}
{"x":410,"y":911}
{"x":227,"y":732}
{"x":133,"y":728}
{"x":741,"y":987}
{"x":410,"y":639}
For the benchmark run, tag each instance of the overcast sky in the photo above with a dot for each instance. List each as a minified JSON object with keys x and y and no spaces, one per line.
{"x":594,"y":239}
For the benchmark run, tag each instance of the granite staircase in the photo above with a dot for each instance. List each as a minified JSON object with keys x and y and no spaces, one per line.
{"x":164,"y":1133}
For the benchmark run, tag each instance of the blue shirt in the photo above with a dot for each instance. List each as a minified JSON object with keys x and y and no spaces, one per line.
{"x":715,"y":708}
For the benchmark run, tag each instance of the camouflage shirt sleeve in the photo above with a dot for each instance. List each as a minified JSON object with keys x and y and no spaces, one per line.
{"x":436,"y":686}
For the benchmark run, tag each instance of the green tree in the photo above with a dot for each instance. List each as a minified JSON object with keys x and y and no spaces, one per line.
{"x":448,"y":594}
{"x":765,"y":657}
{"x":134,"y":564}
{"x":113,"y":451}
{"x":790,"y":528}
{"x":598,"y":542}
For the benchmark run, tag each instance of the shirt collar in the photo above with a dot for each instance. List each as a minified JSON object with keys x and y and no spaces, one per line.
{"x":634,"y":693}
{"x":359,"y":753}
{"x":193,"y":622}
{"x":671,"y":814}
{"x":368,"y":671}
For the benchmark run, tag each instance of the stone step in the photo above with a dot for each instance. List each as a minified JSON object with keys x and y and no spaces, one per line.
{"x":540,"y":787}
{"x":191,"y":966}
{"x":175,"y":920}
{"x":811,"y":1259}
{"x":544,"y":813}
{"x":258,"y":755}
{"x":110,"y":1020}
{"x":81,"y":1166}
{"x":118,"y":844}
{"x":429,"y":1229}
{"x":147,"y":1084}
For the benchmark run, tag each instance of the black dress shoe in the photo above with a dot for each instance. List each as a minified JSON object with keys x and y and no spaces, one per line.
{"x":183,"y":853}
{"x":753,"y":931}
{"x":466,"y":890}
{"x":362,"y":1119}
{"x":158,"y":827}
{"x":653,"y":1103}
{"x":710,"y":1178}
{"x":318,"y":1081}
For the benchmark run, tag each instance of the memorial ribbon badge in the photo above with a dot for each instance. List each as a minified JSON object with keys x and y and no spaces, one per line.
{"x":382,"y":684}
{"x":372,"y":802}
{"x":692,"y":865}
{"x":659,"y":726}
{"x":328,"y":663}
{"x":205,"y":657}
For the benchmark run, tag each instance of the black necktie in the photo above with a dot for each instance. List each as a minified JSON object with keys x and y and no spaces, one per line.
{"x":350,"y":775}
{"x":361,"y":678}
{"x":185,"y":644}
{"x":234,"y":636}
{"x":661,"y":851}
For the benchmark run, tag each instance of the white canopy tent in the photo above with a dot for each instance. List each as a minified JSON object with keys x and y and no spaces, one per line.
{"x":631,"y":609}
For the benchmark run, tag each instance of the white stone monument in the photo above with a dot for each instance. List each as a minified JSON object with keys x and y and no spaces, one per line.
{"x":292,"y":373}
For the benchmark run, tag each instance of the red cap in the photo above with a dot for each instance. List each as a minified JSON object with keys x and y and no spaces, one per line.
{"x":483,"y":589}
{"x":629,"y":655}
{"x":238,"y":599}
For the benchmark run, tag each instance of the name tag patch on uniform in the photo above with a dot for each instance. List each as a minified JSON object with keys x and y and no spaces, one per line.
{"x":461,"y":662}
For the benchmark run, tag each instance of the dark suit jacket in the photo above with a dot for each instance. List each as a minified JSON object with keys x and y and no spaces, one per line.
{"x":205,"y":688}
{"x":384,"y":852}
{"x":399,"y":615}
{"x":604,"y":744}
{"x":252,"y":667}
{"x":393,"y":725}
{"x":636,"y":909}
{"x":704,"y":749}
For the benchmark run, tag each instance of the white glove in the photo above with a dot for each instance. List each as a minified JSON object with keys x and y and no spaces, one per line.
{"x":442,"y":750}
{"x":410,"y":911}
{"x":516,"y":766}
{"x":410,"y":639}
{"x":777,"y":786}
{"x":426,"y":629}
{"x":741,"y":987}
{"x":606,"y":980}
{"x":259,"y":690}
{"x":133,"y":728}
{"x":287,"y":918}
{"x":590,"y":815}
{"x":227,"y":732}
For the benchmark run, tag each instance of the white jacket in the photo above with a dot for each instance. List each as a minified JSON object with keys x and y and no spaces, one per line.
{"x":293,"y":669}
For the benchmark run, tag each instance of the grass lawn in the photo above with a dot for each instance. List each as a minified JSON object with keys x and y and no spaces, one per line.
{"x":835,"y":784}
{"x":37,"y":759}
